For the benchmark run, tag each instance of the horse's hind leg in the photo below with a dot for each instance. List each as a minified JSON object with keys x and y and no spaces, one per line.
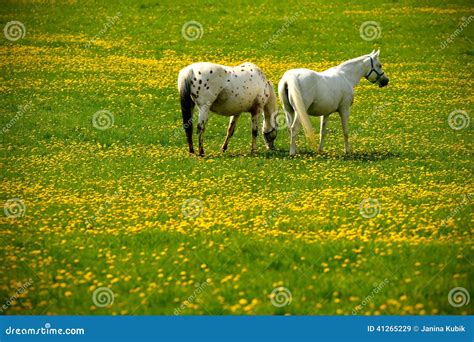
{"x":292,"y":121}
{"x":294,"y":129}
{"x":203,"y":116}
{"x":230,"y":131}
{"x":323,"y":131}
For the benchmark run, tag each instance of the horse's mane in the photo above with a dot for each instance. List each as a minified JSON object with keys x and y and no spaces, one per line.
{"x":352,"y":61}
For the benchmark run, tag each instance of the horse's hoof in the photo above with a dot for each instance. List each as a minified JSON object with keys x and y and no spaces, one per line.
{"x":223,"y":149}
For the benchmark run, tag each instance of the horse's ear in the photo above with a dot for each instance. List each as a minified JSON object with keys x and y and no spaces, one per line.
{"x":373,"y":51}
{"x":377,"y":53}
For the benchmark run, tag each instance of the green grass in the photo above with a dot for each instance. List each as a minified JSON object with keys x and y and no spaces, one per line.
{"x":104,"y":208}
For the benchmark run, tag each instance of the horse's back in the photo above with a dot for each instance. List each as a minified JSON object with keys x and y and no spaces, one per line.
{"x":320,"y":90}
{"x":206,"y":68}
{"x":245,"y":89}
{"x":228,"y":89}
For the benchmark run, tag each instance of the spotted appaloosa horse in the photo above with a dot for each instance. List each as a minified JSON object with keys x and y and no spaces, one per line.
{"x":306,"y":92}
{"x":227,"y":91}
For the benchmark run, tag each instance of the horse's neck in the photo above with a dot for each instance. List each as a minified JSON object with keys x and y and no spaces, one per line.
{"x":354,"y":70}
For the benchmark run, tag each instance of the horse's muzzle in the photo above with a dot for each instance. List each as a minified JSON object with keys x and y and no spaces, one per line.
{"x":270,"y":138}
{"x":383,"y":82}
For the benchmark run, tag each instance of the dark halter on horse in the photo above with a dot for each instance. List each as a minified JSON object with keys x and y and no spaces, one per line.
{"x":372,"y":69}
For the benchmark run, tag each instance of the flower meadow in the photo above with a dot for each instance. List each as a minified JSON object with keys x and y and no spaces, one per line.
{"x":105,"y":212}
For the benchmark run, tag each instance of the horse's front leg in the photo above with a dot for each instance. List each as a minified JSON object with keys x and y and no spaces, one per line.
{"x":344,"y":113}
{"x":254,"y":130}
{"x":230,"y":131}
{"x":203,"y":116}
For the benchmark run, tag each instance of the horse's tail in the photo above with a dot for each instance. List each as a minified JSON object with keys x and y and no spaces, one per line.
{"x":187,"y":104}
{"x":294,"y":95}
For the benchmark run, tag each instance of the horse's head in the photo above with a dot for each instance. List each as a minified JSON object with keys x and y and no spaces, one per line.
{"x":375,"y":73}
{"x":270,"y":111}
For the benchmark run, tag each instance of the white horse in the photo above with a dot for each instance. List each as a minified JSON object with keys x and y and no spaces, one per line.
{"x":227,"y":91}
{"x":306,"y":92}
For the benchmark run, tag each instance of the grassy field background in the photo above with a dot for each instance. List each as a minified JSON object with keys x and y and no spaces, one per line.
{"x":111,"y":210}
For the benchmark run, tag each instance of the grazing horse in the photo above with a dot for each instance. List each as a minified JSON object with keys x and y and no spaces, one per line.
{"x":306,"y":92}
{"x":227,"y":91}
